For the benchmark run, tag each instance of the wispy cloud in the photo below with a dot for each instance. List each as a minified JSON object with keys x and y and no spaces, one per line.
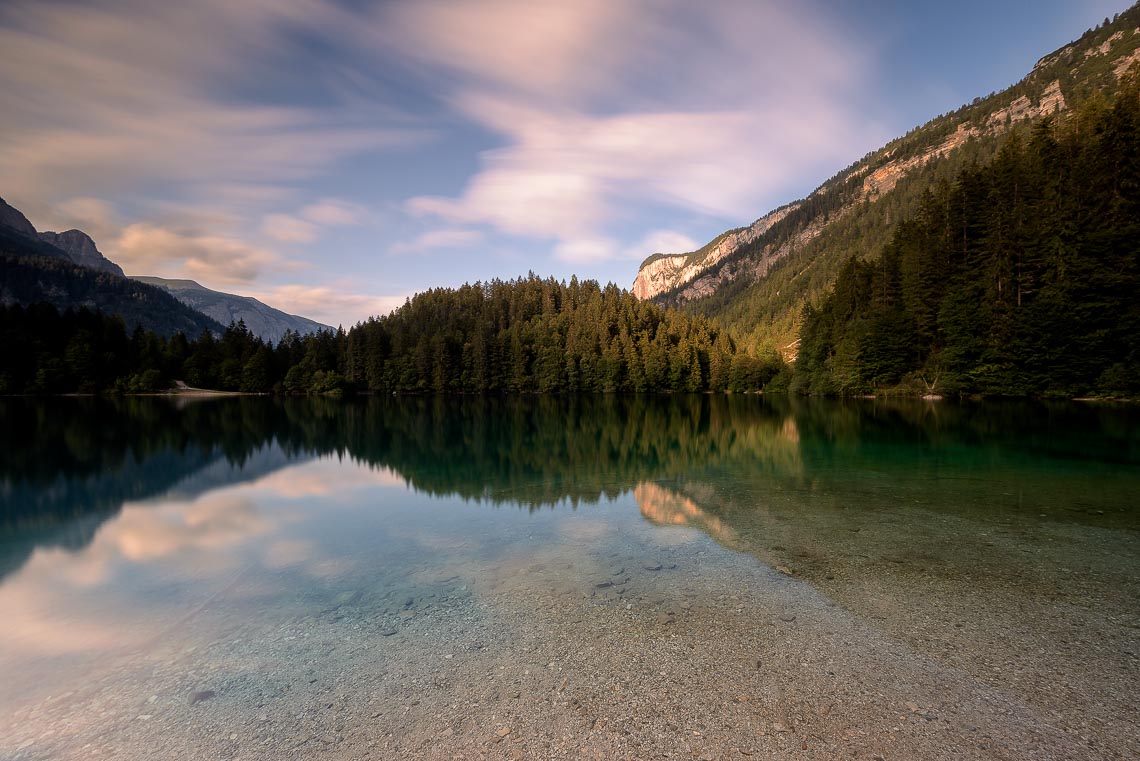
{"x":287,"y":229}
{"x":447,"y":238}
{"x":147,"y":249}
{"x":150,"y":103}
{"x":334,"y":211}
{"x":715,"y":110}
{"x":338,"y":304}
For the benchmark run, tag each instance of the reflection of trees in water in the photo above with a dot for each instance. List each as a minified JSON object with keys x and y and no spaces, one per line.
{"x":65,"y":458}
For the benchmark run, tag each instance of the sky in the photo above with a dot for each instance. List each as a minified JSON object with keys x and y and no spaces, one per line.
{"x":334,"y":157}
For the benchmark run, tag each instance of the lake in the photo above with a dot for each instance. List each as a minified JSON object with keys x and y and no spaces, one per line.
{"x":568,"y":577}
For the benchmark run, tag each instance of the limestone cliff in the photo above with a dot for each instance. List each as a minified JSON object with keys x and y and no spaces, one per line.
{"x":662,"y":272}
{"x":1095,"y":62}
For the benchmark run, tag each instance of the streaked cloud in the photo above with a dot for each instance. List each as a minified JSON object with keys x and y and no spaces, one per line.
{"x":146,"y":249}
{"x":336,"y":304}
{"x":713,"y":110}
{"x":167,"y":108}
{"x":287,"y":229}
{"x":333,"y":211}
{"x":447,"y":238}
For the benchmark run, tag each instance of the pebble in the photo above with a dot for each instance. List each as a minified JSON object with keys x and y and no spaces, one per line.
{"x":618,"y":571}
{"x":787,"y":617}
{"x":201,"y":695}
{"x":653,"y":567}
{"x":388,"y":632}
{"x":603,"y":585}
{"x":504,"y":731}
{"x":780,"y":726}
{"x":664,"y":618}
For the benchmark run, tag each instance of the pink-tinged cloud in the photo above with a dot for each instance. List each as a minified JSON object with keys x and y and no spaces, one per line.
{"x":334,"y":212}
{"x":287,"y":229}
{"x":436,"y":239}
{"x":332,"y":305}
{"x":145,"y":249}
{"x":712,"y":110}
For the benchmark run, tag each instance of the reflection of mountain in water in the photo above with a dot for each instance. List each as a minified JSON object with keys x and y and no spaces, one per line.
{"x":88,"y":456}
{"x":665,"y":507}
{"x":92,"y":456}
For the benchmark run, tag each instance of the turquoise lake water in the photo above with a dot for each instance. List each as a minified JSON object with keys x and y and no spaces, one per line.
{"x":688,"y":576}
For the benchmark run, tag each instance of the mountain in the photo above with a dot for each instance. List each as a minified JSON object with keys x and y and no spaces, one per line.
{"x":74,"y":245}
{"x":757,"y":279}
{"x":67,"y":271}
{"x":63,"y":269}
{"x":261,"y":319}
{"x":81,"y":249}
{"x":28,"y":278}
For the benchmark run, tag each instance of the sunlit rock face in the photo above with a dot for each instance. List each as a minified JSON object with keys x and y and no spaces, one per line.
{"x":665,"y":272}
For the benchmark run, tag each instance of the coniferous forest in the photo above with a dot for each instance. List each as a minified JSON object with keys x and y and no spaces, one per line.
{"x":525,"y":335}
{"x":1020,"y":278}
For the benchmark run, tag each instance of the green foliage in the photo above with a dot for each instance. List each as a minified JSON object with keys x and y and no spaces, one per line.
{"x":522,"y":336}
{"x":1019,"y":279}
{"x":30,"y":278}
{"x":765,"y":310}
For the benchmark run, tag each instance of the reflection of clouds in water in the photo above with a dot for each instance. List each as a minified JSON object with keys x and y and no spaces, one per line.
{"x":286,"y":553}
{"x":327,"y":477}
{"x":35,"y":625}
{"x":328,"y":568}
{"x":212,"y":523}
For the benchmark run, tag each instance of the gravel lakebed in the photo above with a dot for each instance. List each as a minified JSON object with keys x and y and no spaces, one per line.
{"x":640,"y":644}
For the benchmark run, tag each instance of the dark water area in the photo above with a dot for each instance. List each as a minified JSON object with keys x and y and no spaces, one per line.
{"x":410,"y":577}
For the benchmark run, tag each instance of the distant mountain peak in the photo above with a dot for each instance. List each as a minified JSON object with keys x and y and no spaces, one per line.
{"x":81,"y":249}
{"x":262,"y":320}
{"x":12,"y":217}
{"x":74,"y":245}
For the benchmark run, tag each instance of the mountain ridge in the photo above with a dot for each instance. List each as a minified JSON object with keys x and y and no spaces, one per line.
{"x":757,"y":278}
{"x":56,"y":255}
{"x":262,"y":320}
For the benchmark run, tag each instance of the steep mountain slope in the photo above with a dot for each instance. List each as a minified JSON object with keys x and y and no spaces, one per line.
{"x":261,"y":319}
{"x":74,"y":245}
{"x":33,"y":271}
{"x":757,"y":279}
{"x":27,"y":278}
{"x":68,"y":270}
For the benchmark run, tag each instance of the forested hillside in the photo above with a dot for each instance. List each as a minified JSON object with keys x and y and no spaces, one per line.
{"x":1022,"y":277}
{"x":758,"y":288}
{"x":524,"y":335}
{"x":28,"y":278}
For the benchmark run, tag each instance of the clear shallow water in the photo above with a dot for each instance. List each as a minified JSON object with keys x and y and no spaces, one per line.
{"x":596,"y":576}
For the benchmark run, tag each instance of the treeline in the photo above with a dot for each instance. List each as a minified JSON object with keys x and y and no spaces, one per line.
{"x":524,"y":335}
{"x":1020,"y":278}
{"x":28,"y":277}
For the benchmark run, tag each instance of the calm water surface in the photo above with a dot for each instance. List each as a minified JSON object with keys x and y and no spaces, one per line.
{"x":568,"y":577}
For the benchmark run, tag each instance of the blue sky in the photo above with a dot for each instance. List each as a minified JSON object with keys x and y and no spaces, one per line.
{"x":332,"y":157}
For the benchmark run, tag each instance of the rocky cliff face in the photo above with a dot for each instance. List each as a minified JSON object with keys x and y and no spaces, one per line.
{"x":81,"y":249}
{"x":751,"y":252}
{"x":664,"y":272}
